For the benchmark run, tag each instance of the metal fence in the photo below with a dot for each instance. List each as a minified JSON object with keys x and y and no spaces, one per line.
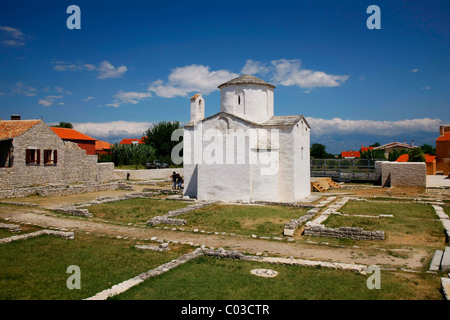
{"x":347,"y":165}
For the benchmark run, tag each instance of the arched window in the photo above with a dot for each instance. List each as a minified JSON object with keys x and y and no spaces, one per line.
{"x":239,"y":107}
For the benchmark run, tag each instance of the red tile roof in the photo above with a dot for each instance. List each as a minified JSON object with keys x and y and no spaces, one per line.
{"x":365,"y":149}
{"x":12,"y":128}
{"x":445,"y":137}
{"x":102,"y":145}
{"x":70,"y":134}
{"x":350,"y":154}
{"x":130,"y":141}
{"x":405,"y":157}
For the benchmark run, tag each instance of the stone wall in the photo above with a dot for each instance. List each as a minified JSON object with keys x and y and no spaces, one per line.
{"x":403,"y":174}
{"x":344,"y":233}
{"x":61,"y":189}
{"x":149,"y":174}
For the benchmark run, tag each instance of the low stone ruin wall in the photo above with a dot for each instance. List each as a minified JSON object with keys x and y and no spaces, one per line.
{"x":344,"y":233}
{"x":168,"y":218}
{"x":317,"y":229}
{"x":146,"y":174}
{"x":62,"y":189}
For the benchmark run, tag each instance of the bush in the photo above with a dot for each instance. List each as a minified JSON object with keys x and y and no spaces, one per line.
{"x":134,"y":154}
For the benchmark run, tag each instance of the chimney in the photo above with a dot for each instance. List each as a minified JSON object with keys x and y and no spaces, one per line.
{"x":197,"y":107}
{"x":15,"y":117}
{"x":404,"y":141}
{"x":412,"y":142}
{"x":441,"y":130}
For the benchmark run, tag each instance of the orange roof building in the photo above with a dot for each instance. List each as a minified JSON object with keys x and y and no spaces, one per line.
{"x":102,"y":147}
{"x":443,"y":150}
{"x":350,"y":154}
{"x":133,"y":141}
{"x":365,"y":149}
{"x":83,"y":141}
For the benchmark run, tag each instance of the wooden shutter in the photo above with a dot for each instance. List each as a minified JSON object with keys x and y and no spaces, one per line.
{"x":46,"y":153}
{"x":38,"y":156}
{"x":55,"y":156}
{"x":28,"y":156}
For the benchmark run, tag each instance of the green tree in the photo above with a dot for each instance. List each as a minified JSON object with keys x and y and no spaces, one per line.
{"x":428,"y":149}
{"x":160,"y":138}
{"x":67,"y":125}
{"x":318,"y":151}
{"x":376,"y":144}
{"x":135,"y":154}
{"x":416,"y":155}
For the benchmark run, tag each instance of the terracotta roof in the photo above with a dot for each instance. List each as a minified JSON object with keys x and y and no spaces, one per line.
{"x":445,"y":137}
{"x":430,"y":158}
{"x":246,"y":79}
{"x":365,"y":149}
{"x":130,"y":140}
{"x":195,"y":96}
{"x":102,"y":145}
{"x":12,"y":128}
{"x":350,"y":154}
{"x":402,"y":158}
{"x":405,"y":157}
{"x":70,"y":134}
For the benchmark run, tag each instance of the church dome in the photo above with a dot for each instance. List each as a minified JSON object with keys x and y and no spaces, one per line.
{"x":246,"y":79}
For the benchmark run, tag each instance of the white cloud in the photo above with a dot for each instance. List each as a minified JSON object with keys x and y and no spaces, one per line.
{"x":13,"y":37}
{"x":114,"y":129}
{"x":321,"y":127}
{"x":49,"y":100}
{"x":62,"y":90}
{"x":254,"y":67}
{"x":104,"y":70}
{"x":88,"y":99}
{"x":415,"y":70}
{"x":128,"y":97}
{"x":107,"y":70}
{"x":192,"y":78}
{"x":425,"y":88}
{"x":24,"y":90}
{"x":289,"y":73}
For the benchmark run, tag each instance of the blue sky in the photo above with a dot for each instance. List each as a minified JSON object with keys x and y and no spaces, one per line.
{"x":134,"y":63}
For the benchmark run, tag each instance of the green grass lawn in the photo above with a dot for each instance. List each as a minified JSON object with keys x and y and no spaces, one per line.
{"x":412,"y":224}
{"x":208,"y":278}
{"x":135,"y":210}
{"x":243,"y":219}
{"x":36,"y":268}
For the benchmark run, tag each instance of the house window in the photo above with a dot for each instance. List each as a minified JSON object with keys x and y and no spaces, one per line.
{"x":6,"y":153}
{"x":33,"y":156}
{"x":50,"y":157}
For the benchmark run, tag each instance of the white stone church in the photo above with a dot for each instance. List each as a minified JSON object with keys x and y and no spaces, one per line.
{"x":245,"y":152}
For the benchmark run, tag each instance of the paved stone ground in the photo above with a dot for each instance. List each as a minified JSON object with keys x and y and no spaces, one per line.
{"x":438,"y":181}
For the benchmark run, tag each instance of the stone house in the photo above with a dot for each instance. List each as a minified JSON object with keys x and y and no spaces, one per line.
{"x":245,"y":152}
{"x":32,"y":154}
